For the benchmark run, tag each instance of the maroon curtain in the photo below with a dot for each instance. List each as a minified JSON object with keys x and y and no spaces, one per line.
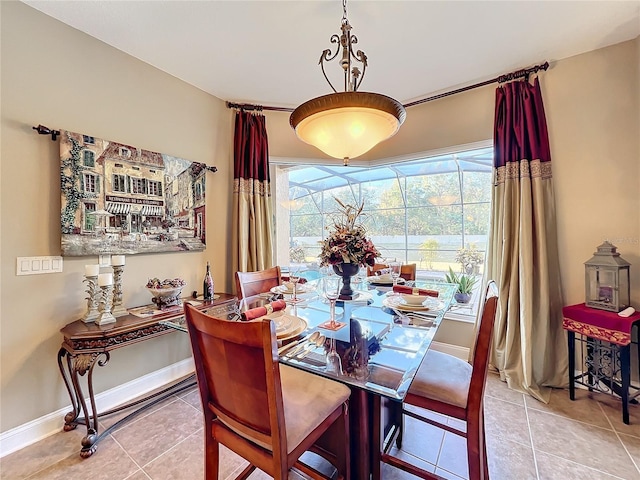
{"x":529,"y":347}
{"x":520,"y":129}
{"x":252,"y":211}
{"x":250,"y":147}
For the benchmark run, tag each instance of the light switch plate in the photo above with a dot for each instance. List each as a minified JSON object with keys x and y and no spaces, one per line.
{"x":37,"y":265}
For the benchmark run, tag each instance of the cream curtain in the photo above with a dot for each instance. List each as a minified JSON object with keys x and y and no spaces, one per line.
{"x":252,"y":211}
{"x":529,"y":348}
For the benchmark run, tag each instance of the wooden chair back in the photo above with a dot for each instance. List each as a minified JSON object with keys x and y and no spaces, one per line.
{"x":252,"y":283}
{"x":238,"y":376}
{"x":408,"y":271}
{"x":480,"y":358}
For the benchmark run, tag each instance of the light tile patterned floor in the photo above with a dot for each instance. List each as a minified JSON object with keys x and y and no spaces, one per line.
{"x":527,"y":439}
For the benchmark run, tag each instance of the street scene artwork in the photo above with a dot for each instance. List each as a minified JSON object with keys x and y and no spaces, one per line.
{"x":120,"y":199}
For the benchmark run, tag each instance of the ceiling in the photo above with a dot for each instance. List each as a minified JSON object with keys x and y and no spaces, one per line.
{"x":266,"y":52}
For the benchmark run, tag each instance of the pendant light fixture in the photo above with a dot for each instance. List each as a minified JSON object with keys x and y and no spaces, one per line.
{"x":347,"y":124}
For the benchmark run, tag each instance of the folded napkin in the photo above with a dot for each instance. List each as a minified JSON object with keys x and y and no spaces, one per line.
{"x":415,"y":291}
{"x":302,"y":280}
{"x":258,"y":312}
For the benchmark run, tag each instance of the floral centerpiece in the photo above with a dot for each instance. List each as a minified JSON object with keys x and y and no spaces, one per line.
{"x":347,"y":247}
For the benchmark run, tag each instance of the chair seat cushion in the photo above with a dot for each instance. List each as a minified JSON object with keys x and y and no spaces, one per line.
{"x":444,"y":378}
{"x":308,"y":400}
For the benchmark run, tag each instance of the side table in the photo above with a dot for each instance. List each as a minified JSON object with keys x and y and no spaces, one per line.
{"x":86,"y":345}
{"x":607,"y":337}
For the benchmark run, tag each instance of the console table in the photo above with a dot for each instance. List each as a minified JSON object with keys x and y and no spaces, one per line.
{"x":86,"y":345}
{"x":607,"y":337}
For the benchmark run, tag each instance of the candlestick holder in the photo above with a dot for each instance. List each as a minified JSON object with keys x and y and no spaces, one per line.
{"x":118,"y":309}
{"x":93,"y":300}
{"x":106,"y":301}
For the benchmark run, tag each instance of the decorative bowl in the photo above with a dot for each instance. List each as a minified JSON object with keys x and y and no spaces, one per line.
{"x":412,"y":299}
{"x":165,"y":293}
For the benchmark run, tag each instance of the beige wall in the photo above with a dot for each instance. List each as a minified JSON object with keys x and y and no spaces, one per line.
{"x":592,"y":113}
{"x":57,"y":76}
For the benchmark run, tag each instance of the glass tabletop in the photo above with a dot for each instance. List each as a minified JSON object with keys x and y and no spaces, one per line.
{"x":382,"y":344}
{"x":379,"y":349}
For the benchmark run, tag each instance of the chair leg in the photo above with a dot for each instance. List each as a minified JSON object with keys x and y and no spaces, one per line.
{"x":475,"y":449}
{"x":212,"y":457}
{"x":485,"y":459}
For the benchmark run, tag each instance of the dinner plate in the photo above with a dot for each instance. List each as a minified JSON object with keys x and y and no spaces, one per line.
{"x":375,"y":280}
{"x":301,"y":288}
{"x":397,"y":302}
{"x":287,"y":325}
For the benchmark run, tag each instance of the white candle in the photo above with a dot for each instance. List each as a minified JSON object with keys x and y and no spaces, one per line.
{"x":91,"y":270}
{"x":105,"y":279}
{"x":117,"y":260}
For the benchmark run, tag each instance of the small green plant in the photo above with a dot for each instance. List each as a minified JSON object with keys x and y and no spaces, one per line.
{"x":465,"y":282}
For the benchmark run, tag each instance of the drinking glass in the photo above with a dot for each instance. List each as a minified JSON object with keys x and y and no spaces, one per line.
{"x":334,"y":363}
{"x":395,"y":271}
{"x":331,"y":288}
{"x":294,"y":278}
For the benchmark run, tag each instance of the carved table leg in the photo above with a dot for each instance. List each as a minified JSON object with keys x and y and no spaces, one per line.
{"x":70,"y":418}
{"x":78,"y":366}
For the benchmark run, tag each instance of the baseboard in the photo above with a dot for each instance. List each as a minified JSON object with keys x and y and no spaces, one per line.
{"x":453,"y":350}
{"x":35,"y":430}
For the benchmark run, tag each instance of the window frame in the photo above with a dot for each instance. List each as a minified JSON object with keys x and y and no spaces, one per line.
{"x":277,"y":162}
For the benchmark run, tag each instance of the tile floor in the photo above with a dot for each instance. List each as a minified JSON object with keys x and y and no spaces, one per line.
{"x":563,"y":440}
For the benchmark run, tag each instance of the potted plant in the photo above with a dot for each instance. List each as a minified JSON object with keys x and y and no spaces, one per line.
{"x":465,"y":285}
{"x":470,"y":258}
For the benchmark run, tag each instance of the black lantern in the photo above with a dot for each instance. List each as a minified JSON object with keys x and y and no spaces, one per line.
{"x":607,"y":280}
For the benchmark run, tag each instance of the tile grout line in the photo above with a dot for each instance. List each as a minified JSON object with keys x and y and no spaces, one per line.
{"x":130,"y":457}
{"x":197,"y":432}
{"x":618,"y":436}
{"x":533,"y":449}
{"x":583,"y":465}
{"x":145,"y":414}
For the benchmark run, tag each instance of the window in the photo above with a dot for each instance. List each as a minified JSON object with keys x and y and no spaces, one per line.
{"x":89,"y":220}
{"x":139,"y":185}
{"x":88,"y":158}
{"x":119,"y":183}
{"x":88,"y":140}
{"x":422,"y":211}
{"x":125,"y":152}
{"x":91,"y":184}
{"x":155,"y":188}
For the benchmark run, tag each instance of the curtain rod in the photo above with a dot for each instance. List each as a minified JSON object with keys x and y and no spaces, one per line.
{"x":525,"y":72}
{"x":42,"y":130}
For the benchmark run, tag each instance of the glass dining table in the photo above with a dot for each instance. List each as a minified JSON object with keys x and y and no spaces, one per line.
{"x":380,"y":348}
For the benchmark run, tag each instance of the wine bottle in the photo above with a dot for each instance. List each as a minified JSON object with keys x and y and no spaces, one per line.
{"x":207,"y":285}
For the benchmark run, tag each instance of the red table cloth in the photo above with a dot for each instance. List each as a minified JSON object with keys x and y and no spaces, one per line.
{"x":600,"y":324}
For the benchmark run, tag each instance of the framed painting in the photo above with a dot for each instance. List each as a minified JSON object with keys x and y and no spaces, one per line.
{"x":120,"y":199}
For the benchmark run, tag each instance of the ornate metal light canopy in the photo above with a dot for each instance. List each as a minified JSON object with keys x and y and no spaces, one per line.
{"x":350,"y":123}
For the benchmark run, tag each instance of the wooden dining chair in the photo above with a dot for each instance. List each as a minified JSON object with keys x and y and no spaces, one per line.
{"x":269,"y":414}
{"x":408,"y":271}
{"x":252,"y":283}
{"x":450,"y":386}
